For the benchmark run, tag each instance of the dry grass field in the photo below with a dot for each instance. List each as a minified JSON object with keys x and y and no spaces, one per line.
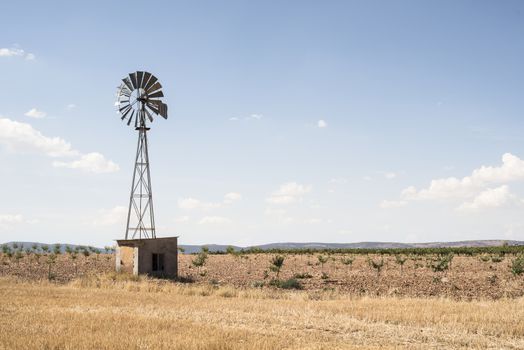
{"x":112,"y":311}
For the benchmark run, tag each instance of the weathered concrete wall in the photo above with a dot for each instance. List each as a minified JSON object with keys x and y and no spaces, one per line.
{"x":168,"y":247}
{"x":125,"y":259}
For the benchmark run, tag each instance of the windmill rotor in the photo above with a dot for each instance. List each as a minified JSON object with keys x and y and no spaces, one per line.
{"x":138,"y":99}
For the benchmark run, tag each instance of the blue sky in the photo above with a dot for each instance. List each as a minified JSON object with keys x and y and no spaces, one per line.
{"x":289,"y":121}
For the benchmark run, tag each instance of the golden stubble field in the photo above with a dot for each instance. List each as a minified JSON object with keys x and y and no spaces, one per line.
{"x":112,"y":311}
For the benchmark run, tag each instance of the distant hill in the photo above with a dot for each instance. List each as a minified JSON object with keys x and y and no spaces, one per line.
{"x":359,"y":245}
{"x":189,"y":249}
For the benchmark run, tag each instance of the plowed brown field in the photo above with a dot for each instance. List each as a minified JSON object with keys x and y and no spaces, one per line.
{"x":468,"y":277}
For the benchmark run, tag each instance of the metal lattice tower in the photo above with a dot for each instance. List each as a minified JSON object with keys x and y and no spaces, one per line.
{"x":136,"y":98}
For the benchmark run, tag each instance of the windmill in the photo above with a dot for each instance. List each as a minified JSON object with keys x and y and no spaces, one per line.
{"x":138,"y":100}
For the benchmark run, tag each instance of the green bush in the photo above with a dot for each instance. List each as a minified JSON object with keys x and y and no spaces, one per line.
{"x":485,"y":258}
{"x":291,"y":283}
{"x":276,"y":264}
{"x":303,"y":275}
{"x":377,"y":265}
{"x":497,"y":258}
{"x":517,"y":265}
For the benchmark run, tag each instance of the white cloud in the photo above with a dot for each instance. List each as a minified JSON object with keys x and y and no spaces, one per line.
{"x":214,"y":220}
{"x":390,"y":175}
{"x":512,"y":169}
{"x":188,"y":203}
{"x":22,"y":137}
{"x":11,"y":218}
{"x":16,"y":52}
{"x":322,"y":123}
{"x":385,"y":204}
{"x":181,"y":219}
{"x":193,"y":203}
{"x":248,"y":118}
{"x":255,"y":117}
{"x":92,"y":162}
{"x":490,"y":198}
{"x":35,"y":113}
{"x":8,"y":221}
{"x":116,"y":215}
{"x":4,"y":52}
{"x":289,"y":193}
{"x":367,"y":178}
{"x":71,"y":106}
{"x":232,"y":197}
{"x":338,"y":181}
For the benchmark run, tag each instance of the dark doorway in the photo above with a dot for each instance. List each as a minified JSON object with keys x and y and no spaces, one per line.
{"x":158,"y":262}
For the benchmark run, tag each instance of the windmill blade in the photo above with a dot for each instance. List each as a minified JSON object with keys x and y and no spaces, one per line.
{"x":140,"y":76}
{"x":153,"y":103}
{"x":126,"y":112}
{"x":124,"y":107}
{"x":163,"y":110}
{"x":158,"y":107}
{"x":136,"y":119}
{"x":150,"y":83}
{"x":154,"y":87}
{"x":131,"y":117}
{"x":124,"y":91}
{"x":159,"y":93}
{"x":145,"y":81}
{"x":149,"y":115}
{"x":128,"y":83}
{"x":133,"y":80}
{"x":153,"y":108}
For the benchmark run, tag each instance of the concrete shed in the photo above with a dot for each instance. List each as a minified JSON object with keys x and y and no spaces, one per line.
{"x":151,"y":256}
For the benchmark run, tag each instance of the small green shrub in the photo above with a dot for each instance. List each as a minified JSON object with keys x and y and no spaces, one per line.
{"x":401,"y":260}
{"x":200,"y":260}
{"x":258,"y":284}
{"x":377,"y":265}
{"x":484,"y":258}
{"x":276,"y":264}
{"x":303,"y":275}
{"x":347,"y":261}
{"x":322,"y":260}
{"x":497,"y":258}
{"x":291,"y":283}
{"x":517,"y":265}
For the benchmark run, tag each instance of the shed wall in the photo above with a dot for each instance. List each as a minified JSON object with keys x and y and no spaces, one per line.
{"x":125,"y":259}
{"x":166,"y":246}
